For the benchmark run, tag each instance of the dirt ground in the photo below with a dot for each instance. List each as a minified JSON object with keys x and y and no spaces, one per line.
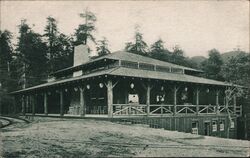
{"x":91,"y":138}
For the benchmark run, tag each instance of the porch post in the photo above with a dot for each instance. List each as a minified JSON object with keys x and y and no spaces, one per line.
{"x":23,"y":104}
{"x":27,"y":104}
{"x":110,"y":98}
{"x":217,"y":102}
{"x":175,"y":99}
{"x":234,"y":103}
{"x":148,"y":99}
{"x":33,"y":103}
{"x":82,"y":102}
{"x":197,"y":100}
{"x":15,"y":104}
{"x":61,"y":103}
{"x":45,"y":103}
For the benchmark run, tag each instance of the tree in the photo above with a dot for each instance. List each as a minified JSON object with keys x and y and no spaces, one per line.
{"x":102,"y":47}
{"x":84,"y":31}
{"x":177,"y":55}
{"x":64,"y":56}
{"x":213,"y":65}
{"x":5,"y":56}
{"x":51,"y":34}
{"x":60,"y":49}
{"x":139,"y":46}
{"x":159,"y":52}
{"x":31,"y":51}
{"x":237,"y":69}
{"x":7,"y":83}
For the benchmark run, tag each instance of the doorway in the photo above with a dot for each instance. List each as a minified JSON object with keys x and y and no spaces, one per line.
{"x":207,"y":128}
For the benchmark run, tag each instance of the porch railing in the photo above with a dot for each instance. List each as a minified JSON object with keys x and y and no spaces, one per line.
{"x":129,"y":109}
{"x":157,"y":109}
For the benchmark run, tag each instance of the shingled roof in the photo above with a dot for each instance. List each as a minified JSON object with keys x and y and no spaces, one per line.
{"x":128,"y":72}
{"x":123,"y":55}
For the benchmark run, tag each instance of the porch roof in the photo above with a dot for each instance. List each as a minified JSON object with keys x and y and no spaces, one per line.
{"x":122,"y":71}
{"x":128,"y":72}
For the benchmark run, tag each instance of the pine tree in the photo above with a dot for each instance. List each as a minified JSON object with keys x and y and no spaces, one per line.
{"x":102,"y":47}
{"x":84,"y":31}
{"x":31,"y":51}
{"x":139,"y":46}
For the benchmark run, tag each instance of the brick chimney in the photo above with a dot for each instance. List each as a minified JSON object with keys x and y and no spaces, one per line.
{"x":81,"y":56}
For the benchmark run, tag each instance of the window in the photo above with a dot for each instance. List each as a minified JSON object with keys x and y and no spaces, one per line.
{"x":195,"y":125}
{"x":146,"y":66}
{"x":177,"y":70}
{"x":129,"y":64}
{"x":214,"y":126}
{"x":222,"y":125}
{"x":162,"y":68}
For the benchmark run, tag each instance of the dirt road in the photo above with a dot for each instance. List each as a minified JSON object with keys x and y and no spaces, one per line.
{"x":91,"y":138}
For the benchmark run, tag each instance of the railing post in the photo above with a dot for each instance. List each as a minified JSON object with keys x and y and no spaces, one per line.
{"x":23,"y":105}
{"x":197,"y":100}
{"x":27,"y":104}
{"x":33,"y":103}
{"x":175,"y":99}
{"x":61,"y":103}
{"x":45,"y":103}
{"x":110,"y":98}
{"x":82,"y":102}
{"x":217,"y":102}
{"x":161,"y":110}
{"x":148,"y":99}
{"x":234,"y":102}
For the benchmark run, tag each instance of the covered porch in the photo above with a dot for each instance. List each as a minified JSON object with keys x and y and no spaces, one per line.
{"x":121,"y":96}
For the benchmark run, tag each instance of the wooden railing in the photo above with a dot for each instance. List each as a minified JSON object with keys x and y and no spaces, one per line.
{"x":161,"y":109}
{"x":185,"y":109}
{"x":156,"y":109}
{"x":207,"y":109}
{"x":129,"y":109}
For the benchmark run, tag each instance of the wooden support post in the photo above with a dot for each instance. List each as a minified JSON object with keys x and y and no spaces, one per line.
{"x":197,"y":100}
{"x":234,"y":102}
{"x":33,"y":103}
{"x":61,"y":103}
{"x":245,"y":127}
{"x":23,"y":105}
{"x":27,"y":104}
{"x":148,"y":98}
{"x":217,"y":102}
{"x":110,"y":98}
{"x":45,"y":103}
{"x":15,"y":104}
{"x":175,"y":99}
{"x":82,"y":102}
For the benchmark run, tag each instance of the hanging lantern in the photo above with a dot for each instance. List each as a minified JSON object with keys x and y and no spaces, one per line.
{"x":207,"y":90}
{"x":66,"y":90}
{"x":186,"y":89}
{"x":101,"y":85}
{"x":75,"y":89}
{"x":132,"y":85}
{"x":88,"y":86}
{"x":162,"y":88}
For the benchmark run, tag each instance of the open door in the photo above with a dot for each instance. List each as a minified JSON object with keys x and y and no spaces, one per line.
{"x":207,"y":128}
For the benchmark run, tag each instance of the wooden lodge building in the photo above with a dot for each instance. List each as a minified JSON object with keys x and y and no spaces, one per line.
{"x":126,"y":85}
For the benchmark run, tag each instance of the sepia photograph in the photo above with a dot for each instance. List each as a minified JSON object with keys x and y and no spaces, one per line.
{"x":124,"y":78}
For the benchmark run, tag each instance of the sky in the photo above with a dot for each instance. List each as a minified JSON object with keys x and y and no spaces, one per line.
{"x":196,"y":26}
